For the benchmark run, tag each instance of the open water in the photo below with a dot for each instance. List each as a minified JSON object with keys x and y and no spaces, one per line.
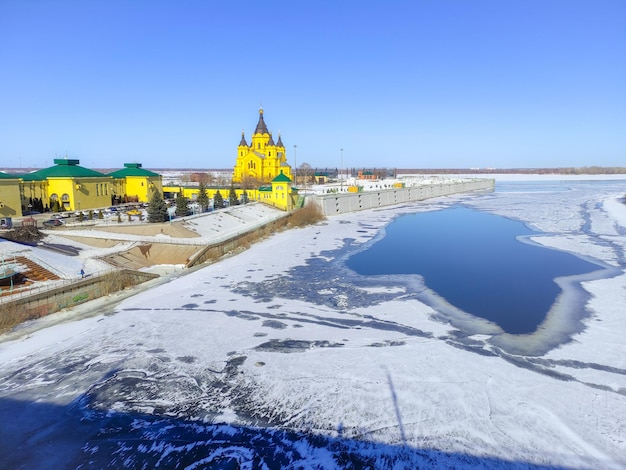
{"x":480,"y":263}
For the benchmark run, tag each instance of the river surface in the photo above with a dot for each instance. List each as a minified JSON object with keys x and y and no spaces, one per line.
{"x":480,"y":263}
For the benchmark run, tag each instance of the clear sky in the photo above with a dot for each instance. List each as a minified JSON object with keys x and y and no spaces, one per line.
{"x":406,"y":84}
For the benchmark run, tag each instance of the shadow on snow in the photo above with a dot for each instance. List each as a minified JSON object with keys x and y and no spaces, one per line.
{"x":42,"y":435}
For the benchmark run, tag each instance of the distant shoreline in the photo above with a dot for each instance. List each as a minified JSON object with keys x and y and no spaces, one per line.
{"x":590,"y":170}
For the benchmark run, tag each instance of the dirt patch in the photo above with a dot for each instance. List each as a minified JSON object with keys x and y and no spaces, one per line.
{"x":150,"y":254}
{"x":97,"y":242}
{"x":26,"y":234}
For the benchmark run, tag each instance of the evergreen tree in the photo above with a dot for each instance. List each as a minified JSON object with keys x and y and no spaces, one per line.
{"x":181,"y":205}
{"x":157,"y":209}
{"x":232,"y":197}
{"x":218,"y":200}
{"x":203,"y":198}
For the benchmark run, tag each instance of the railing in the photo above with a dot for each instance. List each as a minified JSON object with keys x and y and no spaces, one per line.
{"x":32,"y":290}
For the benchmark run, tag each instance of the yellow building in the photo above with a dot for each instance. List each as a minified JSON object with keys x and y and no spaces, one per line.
{"x":10,"y":200}
{"x":279,"y":193}
{"x":192,"y":192}
{"x":262,"y":160}
{"x":65,"y":186}
{"x":135,"y":184}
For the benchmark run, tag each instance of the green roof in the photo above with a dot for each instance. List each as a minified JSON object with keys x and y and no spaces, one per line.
{"x":282,"y":178}
{"x":9,"y":176}
{"x":265,"y":188}
{"x":63,"y":169}
{"x":132,"y":169}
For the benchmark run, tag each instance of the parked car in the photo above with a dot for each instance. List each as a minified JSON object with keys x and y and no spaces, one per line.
{"x":53,"y":223}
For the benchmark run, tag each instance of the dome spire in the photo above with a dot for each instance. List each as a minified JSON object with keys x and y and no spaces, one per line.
{"x":261,"y":128}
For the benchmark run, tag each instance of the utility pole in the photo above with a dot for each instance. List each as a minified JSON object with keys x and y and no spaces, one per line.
{"x":341,"y":171}
{"x":295,"y":166}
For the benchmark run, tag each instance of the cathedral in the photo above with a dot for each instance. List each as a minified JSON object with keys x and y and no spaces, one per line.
{"x":262,"y":160}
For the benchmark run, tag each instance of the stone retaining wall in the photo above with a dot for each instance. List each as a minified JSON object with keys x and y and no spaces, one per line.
{"x":243,"y":240}
{"x":333,"y":204}
{"x":70,"y":294}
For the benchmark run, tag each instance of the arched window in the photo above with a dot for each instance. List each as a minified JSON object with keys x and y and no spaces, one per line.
{"x":65,"y":197}
{"x":54,"y":197}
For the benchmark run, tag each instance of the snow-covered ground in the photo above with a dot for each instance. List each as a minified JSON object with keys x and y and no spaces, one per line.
{"x":209,"y":227}
{"x":280,"y":357}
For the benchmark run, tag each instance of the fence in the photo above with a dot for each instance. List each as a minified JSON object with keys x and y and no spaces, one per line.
{"x":38,"y":302}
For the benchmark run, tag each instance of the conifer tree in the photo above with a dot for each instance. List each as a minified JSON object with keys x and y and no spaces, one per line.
{"x":203,"y":198}
{"x":232,"y":197}
{"x":157,"y":209}
{"x":181,"y":205}
{"x":218,"y":200}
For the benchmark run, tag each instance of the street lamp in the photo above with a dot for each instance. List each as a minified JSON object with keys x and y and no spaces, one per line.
{"x":295,"y":165}
{"x":341,"y":170}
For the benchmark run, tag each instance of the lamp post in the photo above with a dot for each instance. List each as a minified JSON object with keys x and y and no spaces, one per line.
{"x":341,"y":171}
{"x":295,"y":166}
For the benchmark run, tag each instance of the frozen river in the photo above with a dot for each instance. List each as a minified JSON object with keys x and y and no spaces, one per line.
{"x":282,"y":357}
{"x":480,"y":263}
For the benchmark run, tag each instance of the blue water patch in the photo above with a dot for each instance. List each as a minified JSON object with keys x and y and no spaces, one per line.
{"x":476,"y":262}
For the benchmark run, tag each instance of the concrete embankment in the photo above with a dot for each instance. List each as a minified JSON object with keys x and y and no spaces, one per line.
{"x":42,"y":302}
{"x":333,"y":204}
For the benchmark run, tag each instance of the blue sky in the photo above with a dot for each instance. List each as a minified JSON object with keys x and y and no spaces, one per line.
{"x":406,"y":84}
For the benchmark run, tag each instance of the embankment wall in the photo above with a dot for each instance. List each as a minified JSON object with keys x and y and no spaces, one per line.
{"x":243,"y":240}
{"x":44,"y":302}
{"x":333,"y":204}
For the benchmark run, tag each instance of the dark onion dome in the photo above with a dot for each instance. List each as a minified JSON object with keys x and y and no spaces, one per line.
{"x":280,"y":142}
{"x":261,"y":128}
{"x":243,"y":142}
{"x":271,"y":141}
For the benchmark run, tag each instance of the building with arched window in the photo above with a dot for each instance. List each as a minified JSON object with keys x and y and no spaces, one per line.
{"x":262,"y":160}
{"x":65,"y":186}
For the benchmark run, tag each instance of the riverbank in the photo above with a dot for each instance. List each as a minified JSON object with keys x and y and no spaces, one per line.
{"x":281,"y":348}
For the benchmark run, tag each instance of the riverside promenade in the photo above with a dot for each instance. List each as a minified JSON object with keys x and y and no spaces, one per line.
{"x":341,"y":203}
